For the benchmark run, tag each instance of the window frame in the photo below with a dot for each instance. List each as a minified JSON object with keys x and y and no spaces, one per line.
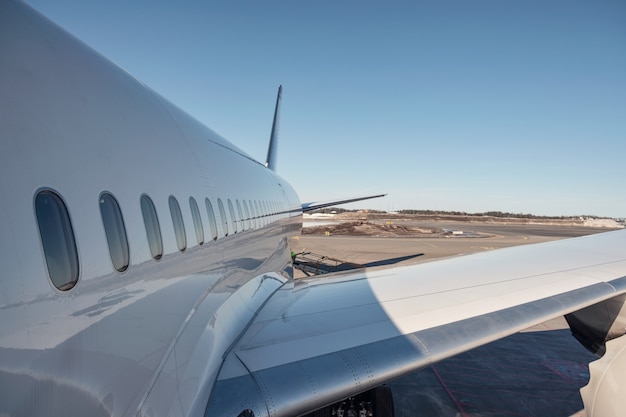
{"x":49,"y":248}
{"x":119,"y":227}
{"x":155,"y":227}
{"x":211,"y":215}
{"x":197,"y":221}
{"x":178,"y":223}
{"x":231,"y":211}
{"x":242,"y":220}
{"x":220,"y":207}
{"x":249,"y":213}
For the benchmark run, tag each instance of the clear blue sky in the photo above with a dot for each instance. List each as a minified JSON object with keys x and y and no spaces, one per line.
{"x":514,"y":106}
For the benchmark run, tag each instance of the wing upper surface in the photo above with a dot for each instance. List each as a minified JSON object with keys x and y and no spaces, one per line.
{"x":319,"y":340}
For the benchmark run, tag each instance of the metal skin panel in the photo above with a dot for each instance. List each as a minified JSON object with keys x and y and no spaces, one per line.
{"x":152,"y":340}
{"x":606,"y":382}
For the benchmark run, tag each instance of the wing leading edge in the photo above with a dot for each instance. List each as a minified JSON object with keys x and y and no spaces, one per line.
{"x":320,"y":340}
{"x":316,"y":205}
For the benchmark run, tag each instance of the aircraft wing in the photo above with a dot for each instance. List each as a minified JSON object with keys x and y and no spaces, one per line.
{"x":317,"y":341}
{"x":316,"y":205}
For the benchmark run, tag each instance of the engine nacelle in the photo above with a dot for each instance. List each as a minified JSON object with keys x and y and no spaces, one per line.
{"x":605,"y":395}
{"x":601,"y":328}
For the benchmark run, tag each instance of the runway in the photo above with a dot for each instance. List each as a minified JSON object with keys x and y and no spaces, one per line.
{"x":536,"y":373}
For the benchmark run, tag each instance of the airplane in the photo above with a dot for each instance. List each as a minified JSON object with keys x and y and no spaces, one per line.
{"x":146,"y":266}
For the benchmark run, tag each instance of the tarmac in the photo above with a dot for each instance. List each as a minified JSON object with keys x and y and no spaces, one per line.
{"x":535,"y":373}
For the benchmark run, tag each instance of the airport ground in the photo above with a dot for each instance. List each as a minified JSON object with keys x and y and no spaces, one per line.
{"x":536,"y":373}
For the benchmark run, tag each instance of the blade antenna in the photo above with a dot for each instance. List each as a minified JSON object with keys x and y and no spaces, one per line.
{"x":270,"y":161}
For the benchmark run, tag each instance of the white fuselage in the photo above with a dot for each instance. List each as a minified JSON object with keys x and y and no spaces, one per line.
{"x":149,"y":339}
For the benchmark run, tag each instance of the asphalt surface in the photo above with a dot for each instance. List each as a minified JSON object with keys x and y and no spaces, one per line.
{"x":534,"y":373}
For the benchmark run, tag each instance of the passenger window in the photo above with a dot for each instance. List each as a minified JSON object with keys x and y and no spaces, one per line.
{"x":57,"y":239}
{"x":211,"y":214}
{"x":245,"y":209}
{"x":252,"y":212}
{"x":220,"y":207}
{"x":197,"y":220}
{"x":255,"y":223}
{"x":259,"y":215}
{"x":179,"y":226}
{"x":231,"y":210}
{"x":242,"y":222}
{"x":115,"y":232}
{"x":153,"y":229}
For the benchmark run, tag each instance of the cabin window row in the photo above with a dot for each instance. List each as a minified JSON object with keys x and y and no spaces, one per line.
{"x":59,"y":244}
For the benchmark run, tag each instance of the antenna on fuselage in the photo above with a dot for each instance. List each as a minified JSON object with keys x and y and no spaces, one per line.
{"x":270,"y":161}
